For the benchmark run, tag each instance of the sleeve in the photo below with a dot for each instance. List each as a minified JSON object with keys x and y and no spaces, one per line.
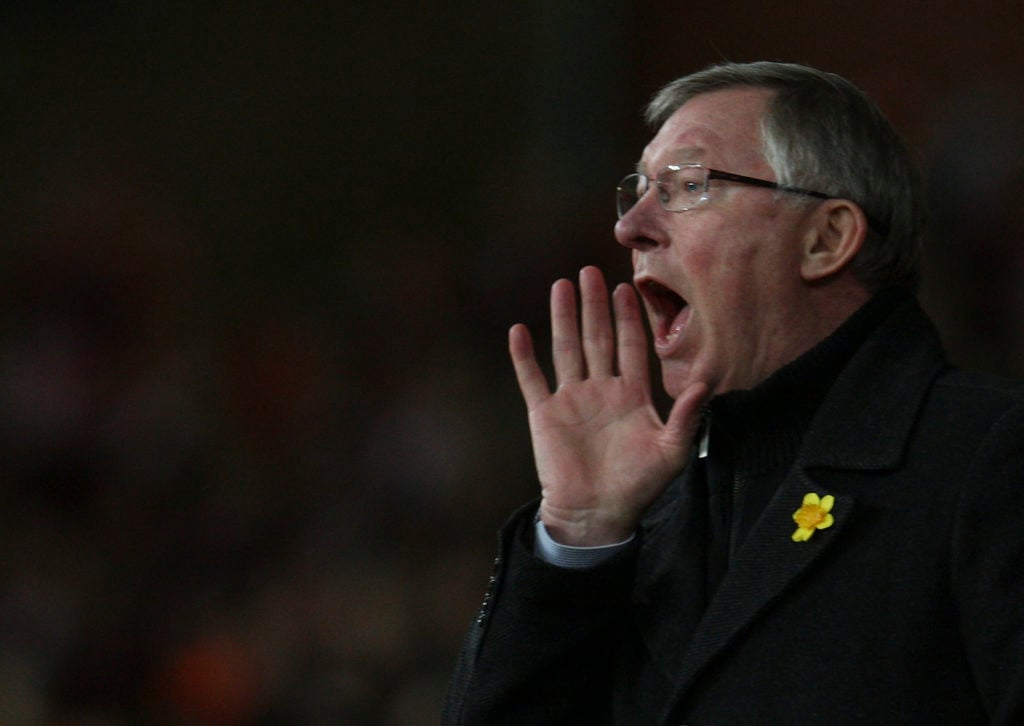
{"x":541,"y":649}
{"x":988,"y":568}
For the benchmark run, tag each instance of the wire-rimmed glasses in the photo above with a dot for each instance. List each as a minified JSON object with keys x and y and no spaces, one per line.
{"x":681,"y":187}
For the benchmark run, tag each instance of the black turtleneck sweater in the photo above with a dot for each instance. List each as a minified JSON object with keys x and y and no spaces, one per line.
{"x":755,"y":434}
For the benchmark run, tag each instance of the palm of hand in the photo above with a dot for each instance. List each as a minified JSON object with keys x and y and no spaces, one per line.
{"x":602,"y":452}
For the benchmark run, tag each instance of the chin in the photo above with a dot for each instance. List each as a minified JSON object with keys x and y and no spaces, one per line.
{"x":675,"y":382}
{"x":677,"y":378}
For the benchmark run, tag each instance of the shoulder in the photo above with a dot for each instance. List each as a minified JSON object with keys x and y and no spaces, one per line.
{"x":957,"y":380}
{"x":964,"y":398}
{"x":972,"y":426}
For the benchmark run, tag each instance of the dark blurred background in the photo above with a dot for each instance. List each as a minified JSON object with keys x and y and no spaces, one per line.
{"x":257,"y":425}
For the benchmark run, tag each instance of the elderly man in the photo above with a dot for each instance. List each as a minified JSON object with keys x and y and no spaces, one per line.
{"x":828,"y":526}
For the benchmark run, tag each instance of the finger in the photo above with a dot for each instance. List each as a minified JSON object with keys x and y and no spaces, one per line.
{"x":630,"y":337}
{"x":684,"y":420}
{"x":565,"y":334}
{"x":598,"y":339}
{"x":532,"y":383}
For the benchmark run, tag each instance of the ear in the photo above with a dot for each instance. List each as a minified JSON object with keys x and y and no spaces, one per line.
{"x":834,"y":235}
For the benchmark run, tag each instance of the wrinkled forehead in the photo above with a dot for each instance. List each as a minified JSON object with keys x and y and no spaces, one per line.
{"x":720,"y":129}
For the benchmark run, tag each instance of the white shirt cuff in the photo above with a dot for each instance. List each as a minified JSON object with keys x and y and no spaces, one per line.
{"x":576,"y":558}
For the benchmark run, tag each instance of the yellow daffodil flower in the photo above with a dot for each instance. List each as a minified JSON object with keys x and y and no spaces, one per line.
{"x":814,"y":514}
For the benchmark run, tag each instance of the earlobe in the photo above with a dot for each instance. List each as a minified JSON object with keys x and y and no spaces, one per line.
{"x":834,"y":236}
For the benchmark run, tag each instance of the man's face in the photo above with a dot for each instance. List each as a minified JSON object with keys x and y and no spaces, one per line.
{"x":721,"y":282}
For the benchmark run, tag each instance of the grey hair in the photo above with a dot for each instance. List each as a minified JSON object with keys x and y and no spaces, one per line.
{"x":821,"y":132}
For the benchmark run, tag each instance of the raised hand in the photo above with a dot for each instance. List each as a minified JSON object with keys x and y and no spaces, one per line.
{"x":603,"y":454}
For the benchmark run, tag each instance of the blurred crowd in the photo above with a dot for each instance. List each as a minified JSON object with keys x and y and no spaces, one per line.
{"x":222,"y":511}
{"x":212,"y":518}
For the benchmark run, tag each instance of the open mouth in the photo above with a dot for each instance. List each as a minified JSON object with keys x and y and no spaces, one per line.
{"x":667,"y":309}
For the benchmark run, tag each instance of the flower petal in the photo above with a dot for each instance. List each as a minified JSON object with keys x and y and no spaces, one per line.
{"x":827,"y":522}
{"x":827,"y":501}
{"x":802,"y":535}
{"x":811,"y":498}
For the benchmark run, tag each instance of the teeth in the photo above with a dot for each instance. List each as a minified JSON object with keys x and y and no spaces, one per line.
{"x":675,"y":332}
{"x":665,"y":306}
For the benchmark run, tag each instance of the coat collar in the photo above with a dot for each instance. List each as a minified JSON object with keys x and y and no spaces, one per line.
{"x":865,"y":419}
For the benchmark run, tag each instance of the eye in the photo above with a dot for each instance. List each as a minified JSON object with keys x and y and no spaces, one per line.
{"x":685,"y":180}
{"x":690,"y":180}
{"x":680,"y":187}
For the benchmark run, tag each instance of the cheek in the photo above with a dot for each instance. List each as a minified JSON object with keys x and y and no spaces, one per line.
{"x":735,"y":294}
{"x":720,"y":276}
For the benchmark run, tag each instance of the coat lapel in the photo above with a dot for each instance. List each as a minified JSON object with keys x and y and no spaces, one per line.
{"x":768,"y":563}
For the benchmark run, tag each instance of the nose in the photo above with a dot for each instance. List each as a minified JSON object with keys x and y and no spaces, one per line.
{"x":635,"y":229}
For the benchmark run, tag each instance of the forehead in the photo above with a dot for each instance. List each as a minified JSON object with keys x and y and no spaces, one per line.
{"x":720,"y":128}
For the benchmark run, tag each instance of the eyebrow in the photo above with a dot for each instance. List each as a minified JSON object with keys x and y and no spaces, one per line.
{"x":684,"y":155}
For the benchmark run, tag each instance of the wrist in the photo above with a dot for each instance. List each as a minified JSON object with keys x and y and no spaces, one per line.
{"x":586,"y":529}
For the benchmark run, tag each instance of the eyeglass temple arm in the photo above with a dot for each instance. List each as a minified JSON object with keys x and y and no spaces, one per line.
{"x":878,"y":226}
{"x":728,"y":176}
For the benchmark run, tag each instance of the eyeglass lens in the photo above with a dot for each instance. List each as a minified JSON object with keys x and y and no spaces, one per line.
{"x":679,"y":188}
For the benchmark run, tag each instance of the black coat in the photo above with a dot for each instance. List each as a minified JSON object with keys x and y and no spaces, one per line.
{"x":908,"y":610}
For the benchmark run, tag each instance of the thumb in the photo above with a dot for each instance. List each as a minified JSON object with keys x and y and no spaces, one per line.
{"x":684,"y":419}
